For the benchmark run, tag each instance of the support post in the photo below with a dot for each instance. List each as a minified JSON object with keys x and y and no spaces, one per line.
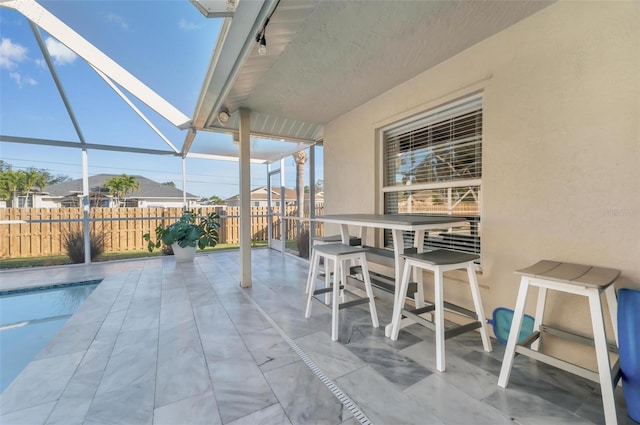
{"x":245,"y":198}
{"x":184,"y":184}
{"x":85,"y":206}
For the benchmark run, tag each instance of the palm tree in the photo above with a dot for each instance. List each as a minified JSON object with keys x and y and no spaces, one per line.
{"x":33,"y":177}
{"x":120,"y":186}
{"x":13,"y":182}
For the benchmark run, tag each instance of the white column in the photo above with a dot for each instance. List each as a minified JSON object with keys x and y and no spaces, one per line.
{"x":85,"y":206}
{"x":245,"y":199}
{"x":184,"y":183}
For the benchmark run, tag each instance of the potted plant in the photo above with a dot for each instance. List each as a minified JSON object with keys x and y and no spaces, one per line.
{"x":184,"y":235}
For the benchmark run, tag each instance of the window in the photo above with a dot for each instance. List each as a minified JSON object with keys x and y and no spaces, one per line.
{"x":433,"y":165}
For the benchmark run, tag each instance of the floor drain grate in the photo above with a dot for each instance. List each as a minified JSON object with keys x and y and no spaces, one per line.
{"x":349,"y":404}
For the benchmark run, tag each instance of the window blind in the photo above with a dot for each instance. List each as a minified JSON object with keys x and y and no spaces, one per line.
{"x":433,"y":165}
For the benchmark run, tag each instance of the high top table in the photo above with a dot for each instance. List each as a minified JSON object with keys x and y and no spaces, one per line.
{"x":578,"y":279}
{"x":397,"y":223}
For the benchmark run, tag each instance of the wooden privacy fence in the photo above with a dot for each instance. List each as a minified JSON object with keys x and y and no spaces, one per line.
{"x":40,"y":231}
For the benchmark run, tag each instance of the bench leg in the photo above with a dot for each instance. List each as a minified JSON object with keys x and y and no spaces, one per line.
{"x":439,"y":318}
{"x":367,"y":285}
{"x":337,"y":274}
{"x":311,"y":265}
{"x":612,"y":303}
{"x":602,"y":354}
{"x":542,"y":301}
{"x":477,"y":302}
{"x":327,"y":280}
{"x":399,"y":303}
{"x":516,"y":323}
{"x":311,"y":284}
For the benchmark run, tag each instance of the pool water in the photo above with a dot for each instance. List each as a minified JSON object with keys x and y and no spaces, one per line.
{"x":28,"y":321}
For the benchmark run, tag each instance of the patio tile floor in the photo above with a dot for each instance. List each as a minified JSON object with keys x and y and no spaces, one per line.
{"x":165,"y":343}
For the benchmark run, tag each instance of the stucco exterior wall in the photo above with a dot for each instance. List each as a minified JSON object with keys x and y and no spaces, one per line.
{"x":561,"y":153}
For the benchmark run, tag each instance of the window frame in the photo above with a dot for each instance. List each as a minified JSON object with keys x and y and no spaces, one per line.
{"x":424,"y":119}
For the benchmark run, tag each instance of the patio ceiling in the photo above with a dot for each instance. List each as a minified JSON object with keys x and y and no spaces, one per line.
{"x":325,"y":58}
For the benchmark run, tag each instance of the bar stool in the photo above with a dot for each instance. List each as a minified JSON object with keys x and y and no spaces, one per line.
{"x":322,"y":240}
{"x":438,"y":262}
{"x":341,"y":256}
{"x":576,"y":279}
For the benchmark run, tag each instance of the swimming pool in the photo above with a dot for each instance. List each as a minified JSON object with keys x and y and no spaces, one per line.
{"x":30,"y":318}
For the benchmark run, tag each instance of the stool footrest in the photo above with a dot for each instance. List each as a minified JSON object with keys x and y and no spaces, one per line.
{"x":530,"y":339}
{"x":418,"y":319}
{"x":423,"y":310}
{"x":584,"y":339}
{"x":353,"y":303}
{"x":449,"y":333}
{"x":560,"y":364}
{"x":325,"y":290}
{"x":459,"y":330}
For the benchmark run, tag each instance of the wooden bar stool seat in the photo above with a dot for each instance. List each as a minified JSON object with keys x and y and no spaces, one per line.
{"x":341,"y":256}
{"x":438,"y":262}
{"x":578,"y":279}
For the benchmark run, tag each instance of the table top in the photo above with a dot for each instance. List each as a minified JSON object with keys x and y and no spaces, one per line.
{"x":578,"y":274}
{"x":395,"y":221}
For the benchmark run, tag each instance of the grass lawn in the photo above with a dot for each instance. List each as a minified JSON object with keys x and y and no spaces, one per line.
{"x":57,"y":260}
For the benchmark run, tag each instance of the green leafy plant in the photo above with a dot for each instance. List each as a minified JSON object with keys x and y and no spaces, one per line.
{"x":190,"y":230}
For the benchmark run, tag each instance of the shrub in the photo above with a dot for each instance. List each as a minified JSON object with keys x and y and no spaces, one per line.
{"x":74,"y":245}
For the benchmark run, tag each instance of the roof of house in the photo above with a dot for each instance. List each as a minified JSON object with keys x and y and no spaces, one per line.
{"x":260,"y":193}
{"x":148,"y":188}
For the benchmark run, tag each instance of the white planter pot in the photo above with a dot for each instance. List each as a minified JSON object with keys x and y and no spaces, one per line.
{"x":183,"y":255}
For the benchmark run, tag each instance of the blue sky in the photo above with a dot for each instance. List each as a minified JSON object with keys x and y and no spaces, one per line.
{"x":166,"y":44}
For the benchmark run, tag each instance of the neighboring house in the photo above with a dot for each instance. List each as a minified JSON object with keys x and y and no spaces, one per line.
{"x":259,"y":197}
{"x":150,"y":194}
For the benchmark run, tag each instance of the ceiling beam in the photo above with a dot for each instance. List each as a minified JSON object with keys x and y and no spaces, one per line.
{"x":97,"y":59}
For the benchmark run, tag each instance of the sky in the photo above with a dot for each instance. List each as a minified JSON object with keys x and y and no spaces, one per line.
{"x":166,"y":44}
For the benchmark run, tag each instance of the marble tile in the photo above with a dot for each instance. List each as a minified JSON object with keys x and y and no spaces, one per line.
{"x":272,"y":415}
{"x":131,"y":405}
{"x":240,"y":388}
{"x":304,"y":398}
{"x":381,"y":402}
{"x":31,"y":416}
{"x":196,"y":410}
{"x":531,"y":376}
{"x":133,"y":361}
{"x":182,"y":371}
{"x":529,"y":408}
{"x":592,"y":409}
{"x":176,"y":312}
{"x":389,"y":363}
{"x":40,"y":382}
{"x":70,"y":339}
{"x":76,"y":399}
{"x":469,"y":378}
{"x":268,"y":349}
{"x":333,"y":358}
{"x":451,"y":405}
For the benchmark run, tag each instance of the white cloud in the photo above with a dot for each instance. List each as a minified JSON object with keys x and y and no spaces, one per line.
{"x":118,"y":20}
{"x":59,"y":52}
{"x":185,"y":25}
{"x":11,"y":54}
{"x":22,"y":81}
{"x":41,"y":63}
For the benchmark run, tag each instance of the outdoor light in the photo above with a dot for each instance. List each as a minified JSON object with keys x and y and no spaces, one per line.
{"x":223,"y":116}
{"x":262,"y":49}
{"x":262,"y":40}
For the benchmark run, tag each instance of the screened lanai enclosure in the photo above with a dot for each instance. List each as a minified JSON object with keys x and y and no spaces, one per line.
{"x":273,"y":215}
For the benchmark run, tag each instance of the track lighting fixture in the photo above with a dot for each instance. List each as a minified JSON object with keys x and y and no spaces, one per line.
{"x":261,"y":39}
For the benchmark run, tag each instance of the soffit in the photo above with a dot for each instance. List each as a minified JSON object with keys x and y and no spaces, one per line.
{"x":326,"y":58}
